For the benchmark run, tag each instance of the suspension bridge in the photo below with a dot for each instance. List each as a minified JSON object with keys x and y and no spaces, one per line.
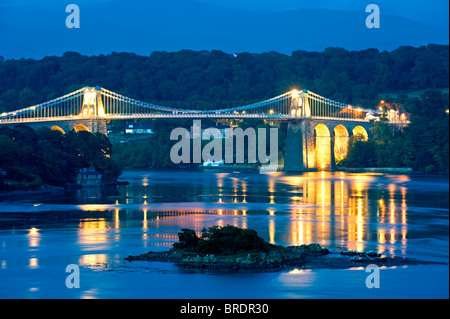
{"x":100,"y":103}
{"x":317,"y":135}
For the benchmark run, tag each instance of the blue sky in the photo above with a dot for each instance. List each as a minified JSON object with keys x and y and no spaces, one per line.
{"x":36,"y":28}
{"x":431,"y":12}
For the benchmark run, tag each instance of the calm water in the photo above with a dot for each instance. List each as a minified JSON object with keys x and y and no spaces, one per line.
{"x":95,"y":228}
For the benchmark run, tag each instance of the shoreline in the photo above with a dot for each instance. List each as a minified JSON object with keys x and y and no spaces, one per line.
{"x":43,"y":190}
{"x":52,"y":190}
{"x":287,"y":258}
{"x":387,"y":170}
{"x":394,"y":170}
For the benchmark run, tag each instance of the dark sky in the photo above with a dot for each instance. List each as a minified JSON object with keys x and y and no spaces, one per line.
{"x":36,"y":28}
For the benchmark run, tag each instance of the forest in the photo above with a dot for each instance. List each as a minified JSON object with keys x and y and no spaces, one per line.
{"x":31,"y":158}
{"x":212,"y":79}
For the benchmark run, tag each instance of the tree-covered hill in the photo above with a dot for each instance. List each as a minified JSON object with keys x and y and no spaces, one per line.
{"x":209,"y":79}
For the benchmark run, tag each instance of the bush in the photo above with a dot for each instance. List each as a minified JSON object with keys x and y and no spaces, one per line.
{"x":222,"y":240}
{"x":187,"y":240}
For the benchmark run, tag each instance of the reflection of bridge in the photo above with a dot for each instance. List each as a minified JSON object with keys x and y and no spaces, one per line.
{"x":318,"y":127}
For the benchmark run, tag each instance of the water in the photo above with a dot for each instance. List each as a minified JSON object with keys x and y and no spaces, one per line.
{"x":396,"y":215}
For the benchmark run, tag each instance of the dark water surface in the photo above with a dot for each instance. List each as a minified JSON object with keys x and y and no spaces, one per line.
{"x":396,"y":215}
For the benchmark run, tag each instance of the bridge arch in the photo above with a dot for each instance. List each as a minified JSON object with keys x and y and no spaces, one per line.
{"x":341,"y":137}
{"x":359,"y":130}
{"x":80,"y":127}
{"x":57,"y":128}
{"x":322,"y":146}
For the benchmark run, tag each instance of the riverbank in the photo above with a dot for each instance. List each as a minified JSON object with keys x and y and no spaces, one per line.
{"x":392,"y":170}
{"x":43,"y":190}
{"x":53,"y":190}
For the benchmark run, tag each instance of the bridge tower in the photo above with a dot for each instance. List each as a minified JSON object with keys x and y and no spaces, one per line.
{"x":92,"y":103}
{"x":300,"y":104}
{"x":92,"y":111}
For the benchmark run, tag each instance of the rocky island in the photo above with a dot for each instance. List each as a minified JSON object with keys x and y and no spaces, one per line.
{"x":231,"y":248}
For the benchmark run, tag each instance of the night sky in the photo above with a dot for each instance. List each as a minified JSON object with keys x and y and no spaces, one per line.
{"x":36,"y":28}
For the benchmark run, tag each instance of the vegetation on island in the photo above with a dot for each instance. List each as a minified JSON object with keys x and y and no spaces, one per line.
{"x":231,"y":248}
{"x":32,"y":158}
{"x":221,"y":240}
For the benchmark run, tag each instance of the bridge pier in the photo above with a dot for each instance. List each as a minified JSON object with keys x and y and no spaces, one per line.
{"x":314,"y":144}
{"x":296,"y":147}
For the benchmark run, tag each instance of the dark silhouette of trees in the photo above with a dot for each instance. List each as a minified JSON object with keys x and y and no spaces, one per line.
{"x":31,"y":158}
{"x":210,"y":79}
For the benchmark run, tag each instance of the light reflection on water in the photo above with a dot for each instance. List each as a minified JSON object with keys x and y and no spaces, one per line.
{"x":337,"y":210}
{"x":329,"y":209}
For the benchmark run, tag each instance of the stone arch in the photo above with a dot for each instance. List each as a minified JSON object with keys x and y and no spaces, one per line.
{"x":57,"y":128}
{"x":322,"y":146}
{"x":80,"y":127}
{"x":341,"y":136}
{"x":359,"y":130}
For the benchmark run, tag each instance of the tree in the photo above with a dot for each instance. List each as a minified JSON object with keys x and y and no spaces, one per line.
{"x":10,"y":152}
{"x":27,"y":97}
{"x":361,"y":153}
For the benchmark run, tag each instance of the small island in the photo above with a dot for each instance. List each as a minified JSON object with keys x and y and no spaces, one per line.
{"x":230,"y":248}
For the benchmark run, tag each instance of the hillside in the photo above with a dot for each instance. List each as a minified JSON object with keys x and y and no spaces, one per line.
{"x":211,"y":79}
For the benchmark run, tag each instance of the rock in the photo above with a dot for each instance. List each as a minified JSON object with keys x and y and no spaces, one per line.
{"x":366,"y":258}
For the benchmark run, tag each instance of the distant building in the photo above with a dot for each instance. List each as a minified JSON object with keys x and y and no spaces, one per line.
{"x":88,"y":177}
{"x":138,"y":128}
{"x":371,"y":116}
